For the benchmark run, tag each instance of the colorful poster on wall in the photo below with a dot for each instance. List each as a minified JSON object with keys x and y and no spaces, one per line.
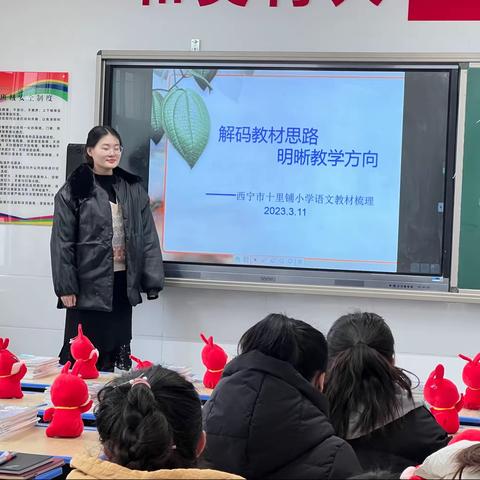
{"x":33,"y":127}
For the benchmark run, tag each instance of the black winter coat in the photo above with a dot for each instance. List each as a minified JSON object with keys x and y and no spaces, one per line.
{"x":264,"y":420}
{"x":406,"y":441}
{"x":81,"y":241}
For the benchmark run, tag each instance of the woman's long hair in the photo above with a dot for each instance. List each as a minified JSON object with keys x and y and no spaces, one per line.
{"x":152,"y":427}
{"x":361,"y":376}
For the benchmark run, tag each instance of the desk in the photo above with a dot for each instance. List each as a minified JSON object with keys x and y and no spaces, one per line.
{"x":203,"y":393}
{"x":469,"y":417}
{"x":34,"y":440}
{"x":41,"y":384}
{"x":42,"y":402}
{"x":466,"y":427}
{"x":30,"y":399}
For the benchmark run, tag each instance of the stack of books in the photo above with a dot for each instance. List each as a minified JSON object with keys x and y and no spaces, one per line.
{"x":16,"y":419}
{"x":38,"y":367}
{"x":23,"y":466}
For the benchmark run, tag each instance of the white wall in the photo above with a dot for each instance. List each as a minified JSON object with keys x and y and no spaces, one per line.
{"x":60,"y":35}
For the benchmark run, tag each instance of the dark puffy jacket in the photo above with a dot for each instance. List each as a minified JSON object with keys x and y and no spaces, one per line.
{"x":406,"y":441}
{"x":264,"y":420}
{"x":81,"y":242}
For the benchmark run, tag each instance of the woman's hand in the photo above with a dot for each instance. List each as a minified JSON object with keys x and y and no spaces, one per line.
{"x":69,"y":300}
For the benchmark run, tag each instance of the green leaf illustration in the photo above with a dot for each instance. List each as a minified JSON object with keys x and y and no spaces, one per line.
{"x":157,"y":125}
{"x":203,"y":77}
{"x":186,"y":122}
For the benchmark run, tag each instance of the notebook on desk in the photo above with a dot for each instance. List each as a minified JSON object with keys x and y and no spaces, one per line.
{"x":36,"y":471}
{"x":24,"y":462}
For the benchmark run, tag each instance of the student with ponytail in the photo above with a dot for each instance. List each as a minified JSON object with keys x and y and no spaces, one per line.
{"x":371,"y":402}
{"x":150,"y":426}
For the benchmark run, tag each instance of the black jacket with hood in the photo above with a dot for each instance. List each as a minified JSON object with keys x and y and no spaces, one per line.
{"x":264,"y":420}
{"x":81,"y":241}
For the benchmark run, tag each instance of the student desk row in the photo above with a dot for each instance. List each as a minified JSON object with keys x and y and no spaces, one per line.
{"x":34,"y":393}
{"x":33,"y":397}
{"x":34,"y":440}
{"x":41,"y":402}
{"x":470,"y":417}
{"x":41,"y":384}
{"x":37,"y":399}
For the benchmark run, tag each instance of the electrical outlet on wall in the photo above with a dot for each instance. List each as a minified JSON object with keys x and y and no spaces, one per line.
{"x":195,"y":44}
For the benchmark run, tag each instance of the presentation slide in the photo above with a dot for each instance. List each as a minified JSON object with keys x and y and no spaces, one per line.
{"x":278,"y":168}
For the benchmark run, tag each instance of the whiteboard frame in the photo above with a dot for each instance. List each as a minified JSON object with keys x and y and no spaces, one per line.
{"x":464,"y":60}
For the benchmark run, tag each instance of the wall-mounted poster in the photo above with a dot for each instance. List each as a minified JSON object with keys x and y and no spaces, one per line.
{"x":33,"y":126}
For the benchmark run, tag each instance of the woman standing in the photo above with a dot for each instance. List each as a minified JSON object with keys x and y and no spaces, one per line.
{"x":104,"y":250}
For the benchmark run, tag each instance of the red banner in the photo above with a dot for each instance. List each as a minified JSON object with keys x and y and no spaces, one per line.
{"x":441,"y":10}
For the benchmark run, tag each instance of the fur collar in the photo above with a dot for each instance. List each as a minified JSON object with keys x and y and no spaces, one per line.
{"x":82,"y":183}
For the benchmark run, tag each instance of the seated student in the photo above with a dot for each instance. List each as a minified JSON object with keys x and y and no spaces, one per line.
{"x":371,"y":399}
{"x":267,"y":417}
{"x":150,"y":426}
{"x":460,"y":459}
{"x":468,"y":461}
{"x":457,"y":460}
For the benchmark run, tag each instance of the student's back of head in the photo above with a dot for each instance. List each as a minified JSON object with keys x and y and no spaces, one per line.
{"x":468,"y":461}
{"x":362,"y":376}
{"x":267,"y":418}
{"x":460,"y":459}
{"x":290,"y":340}
{"x":150,"y":420}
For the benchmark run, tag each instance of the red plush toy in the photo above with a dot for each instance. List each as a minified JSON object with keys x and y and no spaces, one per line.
{"x":444,"y":400}
{"x":141,"y":364}
{"x":70,"y":399}
{"x":215,"y":359}
{"x":469,"y":434}
{"x":12,"y":370}
{"x":471,"y":378}
{"x":85,"y":354}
